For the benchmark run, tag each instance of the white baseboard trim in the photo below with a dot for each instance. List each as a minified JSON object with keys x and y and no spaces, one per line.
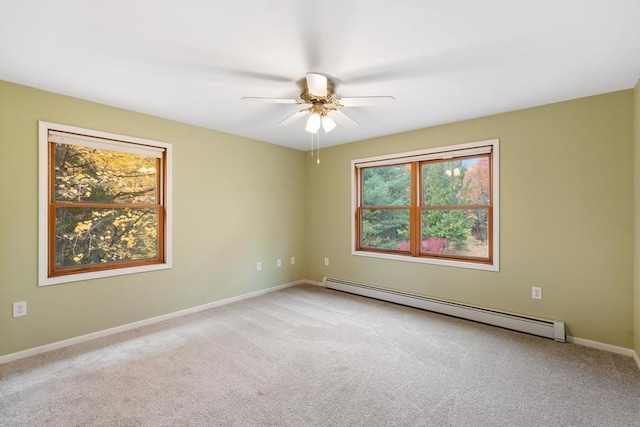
{"x":122,"y":328}
{"x":637,"y":359}
{"x":314,"y":283}
{"x":602,"y":346}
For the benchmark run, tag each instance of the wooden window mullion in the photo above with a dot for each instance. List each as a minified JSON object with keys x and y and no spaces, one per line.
{"x":359,"y":204}
{"x":414,"y":225}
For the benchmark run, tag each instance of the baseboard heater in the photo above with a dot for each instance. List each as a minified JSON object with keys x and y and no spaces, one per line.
{"x":530,"y":325}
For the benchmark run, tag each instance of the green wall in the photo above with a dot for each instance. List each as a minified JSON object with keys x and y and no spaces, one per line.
{"x":566,"y":208}
{"x":567,"y":215}
{"x":636,"y":297}
{"x":235,"y":201}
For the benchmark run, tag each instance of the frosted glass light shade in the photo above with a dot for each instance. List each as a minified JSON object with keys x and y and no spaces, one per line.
{"x":313,"y":124}
{"x":328,"y":124}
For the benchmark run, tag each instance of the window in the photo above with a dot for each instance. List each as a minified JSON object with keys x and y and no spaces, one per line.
{"x":104,"y":204}
{"x":437,"y":206}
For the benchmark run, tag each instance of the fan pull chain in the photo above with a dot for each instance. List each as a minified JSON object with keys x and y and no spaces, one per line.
{"x":316,"y":146}
{"x":318,"y":158}
{"x":311,"y":145}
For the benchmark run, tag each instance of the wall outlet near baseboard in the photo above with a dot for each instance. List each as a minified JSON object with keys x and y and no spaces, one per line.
{"x":19,"y":309}
{"x":326,"y":261}
{"x":259,"y":266}
{"x":536,"y":292}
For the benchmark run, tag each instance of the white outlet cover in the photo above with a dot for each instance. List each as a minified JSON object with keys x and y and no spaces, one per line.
{"x":293,"y":260}
{"x":19,"y":309}
{"x":536,"y":292}
{"x":259,"y":266}
{"x":278,"y":262}
{"x":326,"y":261}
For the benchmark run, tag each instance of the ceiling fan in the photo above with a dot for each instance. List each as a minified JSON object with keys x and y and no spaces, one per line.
{"x":323,"y":106}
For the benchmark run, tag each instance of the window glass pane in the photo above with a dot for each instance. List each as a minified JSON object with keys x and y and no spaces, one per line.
{"x":88,"y":236}
{"x":387,"y":185}
{"x":385,"y":229}
{"x":456,"y":182}
{"x":100,"y":176}
{"x":455,"y":232}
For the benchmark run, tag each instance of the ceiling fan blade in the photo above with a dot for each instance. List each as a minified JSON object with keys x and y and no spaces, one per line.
{"x":317,"y":84}
{"x":342,"y":119}
{"x":273,"y":100}
{"x":295,"y":116}
{"x":365,"y":101}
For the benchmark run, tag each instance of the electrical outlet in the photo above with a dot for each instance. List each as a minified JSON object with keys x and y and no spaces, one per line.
{"x":259,"y":266}
{"x":293,"y":260}
{"x":536,"y":292}
{"x":19,"y":309}
{"x":278,"y":262}
{"x":326,"y":261}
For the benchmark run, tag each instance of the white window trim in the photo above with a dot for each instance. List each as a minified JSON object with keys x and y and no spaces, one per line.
{"x":433,"y":153}
{"x":43,"y":190}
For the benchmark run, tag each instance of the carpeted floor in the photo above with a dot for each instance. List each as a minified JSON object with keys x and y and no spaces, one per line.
{"x":307,"y":356}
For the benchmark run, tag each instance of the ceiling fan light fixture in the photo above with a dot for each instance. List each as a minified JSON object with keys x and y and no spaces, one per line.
{"x":322,"y":106}
{"x":313,"y":124}
{"x":328,"y":124}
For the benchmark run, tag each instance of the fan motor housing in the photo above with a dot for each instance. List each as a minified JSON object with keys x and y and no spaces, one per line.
{"x":312,"y":99}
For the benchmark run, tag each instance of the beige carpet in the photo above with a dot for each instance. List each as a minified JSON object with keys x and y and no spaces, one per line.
{"x":307,"y":356}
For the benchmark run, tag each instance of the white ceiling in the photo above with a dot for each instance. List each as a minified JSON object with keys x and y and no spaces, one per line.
{"x":443,"y":61}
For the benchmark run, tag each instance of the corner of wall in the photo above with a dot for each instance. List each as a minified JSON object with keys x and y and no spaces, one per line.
{"x":636,"y":262}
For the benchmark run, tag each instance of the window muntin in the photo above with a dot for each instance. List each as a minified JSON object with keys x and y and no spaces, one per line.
{"x":104,"y":204}
{"x":451,"y":217}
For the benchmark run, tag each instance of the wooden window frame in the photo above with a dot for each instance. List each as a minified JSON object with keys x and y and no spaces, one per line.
{"x":421,"y":207}
{"x":416,"y":159}
{"x":49,"y":274}
{"x":409,"y":208}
